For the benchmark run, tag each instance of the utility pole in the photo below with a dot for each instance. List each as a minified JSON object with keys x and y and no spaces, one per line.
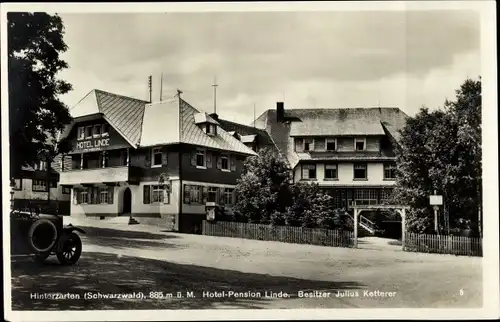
{"x":214,"y":85}
{"x":161,"y":87}
{"x":254,"y":115}
{"x":436,"y":217}
{"x":150,"y":86}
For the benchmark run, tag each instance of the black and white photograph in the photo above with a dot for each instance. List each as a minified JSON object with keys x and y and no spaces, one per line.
{"x":175,"y":161}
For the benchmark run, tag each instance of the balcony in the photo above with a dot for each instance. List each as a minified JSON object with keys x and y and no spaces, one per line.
{"x":99,"y":175}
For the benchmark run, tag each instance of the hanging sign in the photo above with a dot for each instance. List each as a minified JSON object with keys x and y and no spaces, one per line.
{"x":92,"y":144}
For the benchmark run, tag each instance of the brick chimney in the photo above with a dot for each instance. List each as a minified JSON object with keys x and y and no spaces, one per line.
{"x":280,"y":112}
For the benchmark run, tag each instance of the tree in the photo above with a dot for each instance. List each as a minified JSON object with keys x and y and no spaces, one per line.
{"x":441,"y":150}
{"x":263,"y":187}
{"x":36,"y":115}
{"x":314,"y":208}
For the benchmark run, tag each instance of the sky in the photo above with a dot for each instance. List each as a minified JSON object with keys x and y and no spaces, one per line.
{"x":306,"y":59}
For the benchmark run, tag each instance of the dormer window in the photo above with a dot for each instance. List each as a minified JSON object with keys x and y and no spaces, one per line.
{"x":81,"y":133}
{"x":211,"y":129}
{"x":105,"y":130}
{"x":331,"y":144}
{"x":88,"y":132}
{"x":360,"y":144}
{"x":308,"y":144}
{"x":97,"y":130}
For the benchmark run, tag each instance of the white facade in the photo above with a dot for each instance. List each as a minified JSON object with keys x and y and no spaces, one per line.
{"x":345,"y":176}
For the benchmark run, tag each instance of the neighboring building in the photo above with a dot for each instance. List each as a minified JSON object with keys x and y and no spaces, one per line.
{"x":30,"y":189}
{"x":254,"y":138}
{"x":122,"y":145}
{"x":348,"y":152}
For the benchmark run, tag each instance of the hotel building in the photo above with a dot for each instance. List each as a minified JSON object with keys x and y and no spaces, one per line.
{"x":121,"y":146}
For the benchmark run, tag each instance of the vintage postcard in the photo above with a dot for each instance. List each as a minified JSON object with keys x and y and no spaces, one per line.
{"x":230,"y":161}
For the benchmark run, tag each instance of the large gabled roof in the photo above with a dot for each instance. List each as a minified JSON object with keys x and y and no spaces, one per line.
{"x":123,"y":113}
{"x":329,"y":122}
{"x":149,"y":124}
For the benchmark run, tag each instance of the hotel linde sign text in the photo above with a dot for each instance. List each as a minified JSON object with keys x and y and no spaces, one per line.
{"x":92,"y":145}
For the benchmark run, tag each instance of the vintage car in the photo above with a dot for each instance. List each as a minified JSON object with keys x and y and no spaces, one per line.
{"x":42,"y":235}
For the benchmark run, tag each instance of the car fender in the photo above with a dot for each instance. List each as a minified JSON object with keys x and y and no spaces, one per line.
{"x":70,"y":228}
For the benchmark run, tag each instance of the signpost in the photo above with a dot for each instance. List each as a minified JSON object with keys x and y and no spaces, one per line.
{"x":436,"y":201}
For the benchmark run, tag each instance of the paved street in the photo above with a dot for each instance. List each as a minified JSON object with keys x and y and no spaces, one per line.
{"x":148,"y":260}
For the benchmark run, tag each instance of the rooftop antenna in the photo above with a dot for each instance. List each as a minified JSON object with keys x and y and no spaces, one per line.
{"x":179,"y":92}
{"x":161,"y":87}
{"x":150,"y":86}
{"x":214,"y":85}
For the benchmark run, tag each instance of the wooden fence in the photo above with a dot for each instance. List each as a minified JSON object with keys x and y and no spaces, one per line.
{"x":455,"y":245}
{"x":287,"y":234}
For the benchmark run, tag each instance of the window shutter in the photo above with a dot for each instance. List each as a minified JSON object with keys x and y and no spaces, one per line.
{"x":193,"y":158}
{"x":219,"y":162}
{"x":164,"y":156}
{"x":146,"y":195}
{"x":75,"y":196}
{"x":220,"y":193}
{"x":209,"y":159}
{"x":166,"y":196}
{"x":187,"y":191}
{"x":110,"y":194}
{"x":205,"y":194}
{"x":233,"y":162}
{"x":148,"y":158}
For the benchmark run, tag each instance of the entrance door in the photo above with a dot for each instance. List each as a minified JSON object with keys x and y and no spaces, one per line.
{"x":127,"y":201}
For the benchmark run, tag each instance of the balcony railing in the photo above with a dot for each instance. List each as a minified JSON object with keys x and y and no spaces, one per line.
{"x":99,"y":175}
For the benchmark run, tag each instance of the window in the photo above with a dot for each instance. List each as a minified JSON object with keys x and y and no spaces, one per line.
{"x":157,"y":194}
{"x":389,"y":171}
{"x":84,"y":196}
{"x":42,"y":166}
{"x":81,"y":133}
{"x":39,"y":185}
{"x":211,"y":129}
{"x":97,"y":130}
{"x":88,"y":132}
{"x":228,"y":196}
{"x":331,"y":171}
{"x":308,"y":144}
{"x":365,"y":197}
{"x":224,"y":162}
{"x":66,"y":190}
{"x":360,"y":171}
{"x":331,"y":144}
{"x":308,"y":171}
{"x":156,"y":157}
{"x":200,"y":158}
{"x":18,"y":184}
{"x":212,"y":194}
{"x":123,"y":157}
{"x":385,"y":195}
{"x":195,"y":194}
{"x":359,"y":144}
{"x":105,"y":130}
{"x":104,"y":196}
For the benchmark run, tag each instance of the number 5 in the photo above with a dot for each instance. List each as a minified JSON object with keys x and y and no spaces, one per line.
{"x":461,"y":292}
